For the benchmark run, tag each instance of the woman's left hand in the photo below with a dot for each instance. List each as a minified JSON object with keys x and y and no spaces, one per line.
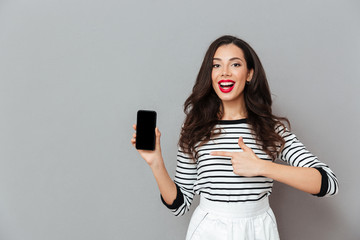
{"x":244,"y":163}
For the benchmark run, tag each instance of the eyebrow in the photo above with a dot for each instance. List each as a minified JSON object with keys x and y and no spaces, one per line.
{"x":231,"y":59}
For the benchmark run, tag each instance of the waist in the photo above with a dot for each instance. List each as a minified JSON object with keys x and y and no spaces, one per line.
{"x":235,"y":209}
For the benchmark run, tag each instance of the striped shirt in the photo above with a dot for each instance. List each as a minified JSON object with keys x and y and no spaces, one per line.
{"x":213,"y":178}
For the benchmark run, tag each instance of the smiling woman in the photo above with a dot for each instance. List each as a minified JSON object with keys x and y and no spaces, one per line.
{"x":230,"y":59}
{"x":227,"y":148}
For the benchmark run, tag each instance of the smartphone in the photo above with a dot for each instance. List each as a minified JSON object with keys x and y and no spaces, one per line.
{"x":145,"y":130}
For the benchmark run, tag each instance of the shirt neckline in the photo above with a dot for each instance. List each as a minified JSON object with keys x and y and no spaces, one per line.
{"x":236,"y":121}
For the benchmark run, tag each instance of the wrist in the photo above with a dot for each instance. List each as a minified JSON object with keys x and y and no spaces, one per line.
{"x":265,"y":169}
{"x":157,"y":165}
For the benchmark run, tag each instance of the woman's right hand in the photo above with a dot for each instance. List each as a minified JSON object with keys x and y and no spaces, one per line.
{"x":153,"y":158}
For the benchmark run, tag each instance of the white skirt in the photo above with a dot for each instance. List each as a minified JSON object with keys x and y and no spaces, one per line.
{"x":229,"y":221}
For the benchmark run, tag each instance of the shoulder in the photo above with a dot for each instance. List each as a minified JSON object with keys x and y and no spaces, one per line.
{"x":281,"y":129}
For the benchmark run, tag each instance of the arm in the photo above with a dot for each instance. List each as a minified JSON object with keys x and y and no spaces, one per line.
{"x":177,"y":195}
{"x":155,"y":160}
{"x":167,"y":187}
{"x":306,"y":173}
{"x":304,"y":179}
{"x":295,"y":154}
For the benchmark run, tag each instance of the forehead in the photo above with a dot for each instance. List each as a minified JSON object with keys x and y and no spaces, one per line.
{"x":229,"y":51}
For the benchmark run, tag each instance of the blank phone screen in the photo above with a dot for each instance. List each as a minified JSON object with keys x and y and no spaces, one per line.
{"x":145,"y":130}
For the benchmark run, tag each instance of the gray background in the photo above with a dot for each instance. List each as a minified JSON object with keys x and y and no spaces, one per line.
{"x":74,"y":73}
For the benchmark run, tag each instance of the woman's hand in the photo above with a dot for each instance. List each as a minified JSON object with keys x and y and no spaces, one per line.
{"x":244,"y":163}
{"x":153,"y":158}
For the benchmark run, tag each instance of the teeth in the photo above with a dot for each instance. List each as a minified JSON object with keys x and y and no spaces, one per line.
{"x":226,"y":84}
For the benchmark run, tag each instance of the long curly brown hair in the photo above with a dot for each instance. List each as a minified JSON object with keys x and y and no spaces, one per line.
{"x":203,"y":106}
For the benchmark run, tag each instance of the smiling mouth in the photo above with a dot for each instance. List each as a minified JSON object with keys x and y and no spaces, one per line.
{"x":226,"y":86}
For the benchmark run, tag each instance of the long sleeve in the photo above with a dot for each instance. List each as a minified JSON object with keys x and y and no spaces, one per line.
{"x":185,"y":177}
{"x":296,"y":154}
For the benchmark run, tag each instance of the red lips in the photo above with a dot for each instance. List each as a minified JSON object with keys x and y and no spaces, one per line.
{"x":226,"y":85}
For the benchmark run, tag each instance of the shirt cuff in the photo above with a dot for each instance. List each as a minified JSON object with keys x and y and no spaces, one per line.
{"x":324,"y":183}
{"x":179,"y":200}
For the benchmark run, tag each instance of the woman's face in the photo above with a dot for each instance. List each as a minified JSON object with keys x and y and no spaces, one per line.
{"x":230,"y":73}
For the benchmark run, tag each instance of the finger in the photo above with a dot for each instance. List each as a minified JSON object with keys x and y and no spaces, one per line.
{"x":133,"y":142}
{"x":134,"y":135}
{"x":242,"y":145}
{"x":158,"y":135}
{"x":221,"y":153}
{"x":157,"y":132}
{"x":134,"y":126}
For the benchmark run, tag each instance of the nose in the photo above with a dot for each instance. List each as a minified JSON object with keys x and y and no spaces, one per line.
{"x":225,"y":72}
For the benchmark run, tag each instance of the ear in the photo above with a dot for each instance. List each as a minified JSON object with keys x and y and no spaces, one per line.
{"x":250,"y":75}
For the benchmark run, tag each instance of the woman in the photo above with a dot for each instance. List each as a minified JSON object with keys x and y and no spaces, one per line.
{"x":227,"y":148}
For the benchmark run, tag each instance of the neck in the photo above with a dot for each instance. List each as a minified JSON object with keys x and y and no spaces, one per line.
{"x":233,"y":110}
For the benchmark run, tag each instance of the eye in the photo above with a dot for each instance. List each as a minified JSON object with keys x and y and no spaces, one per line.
{"x":216,"y":65}
{"x":236,"y":64}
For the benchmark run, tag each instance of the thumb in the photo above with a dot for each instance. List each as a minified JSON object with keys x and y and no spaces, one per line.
{"x":157,"y":134}
{"x":243,"y":146}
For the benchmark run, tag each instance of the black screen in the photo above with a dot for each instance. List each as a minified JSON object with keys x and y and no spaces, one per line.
{"x":145,"y":130}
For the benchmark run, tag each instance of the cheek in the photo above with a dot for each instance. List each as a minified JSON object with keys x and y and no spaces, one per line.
{"x":213,"y":75}
{"x":243,"y":74}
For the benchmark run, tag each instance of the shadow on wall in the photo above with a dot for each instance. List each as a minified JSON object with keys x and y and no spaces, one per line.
{"x":306,"y":216}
